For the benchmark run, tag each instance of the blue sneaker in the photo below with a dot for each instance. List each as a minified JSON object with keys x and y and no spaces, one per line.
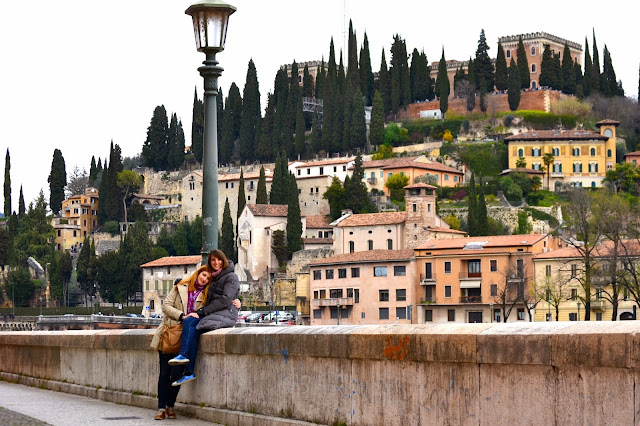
{"x":184,"y":379}
{"x":179,"y":360}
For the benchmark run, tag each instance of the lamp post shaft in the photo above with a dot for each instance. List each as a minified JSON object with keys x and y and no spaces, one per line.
{"x":210,"y":71}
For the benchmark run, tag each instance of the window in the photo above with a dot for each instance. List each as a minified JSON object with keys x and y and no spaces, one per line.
{"x":598,"y":316}
{"x":508,"y":53}
{"x":577,"y":167}
{"x":323,"y":294}
{"x":520,"y":314}
{"x":74,"y":233}
{"x":383,"y":313}
{"x":355,"y":272}
{"x":555,"y":152}
{"x":447,"y":267}
{"x":370,"y":244}
{"x":455,"y":178}
{"x":399,"y":271}
{"x":414,"y":207}
{"x":451,"y":315}
{"x":572,"y":316}
{"x":310,"y":190}
{"x":473,"y":268}
{"x":447,"y":291}
{"x":428,"y":315}
{"x":317,"y":313}
{"x":308,"y":171}
{"x":349,"y":292}
{"x":574,"y":270}
{"x":520,"y":152}
{"x":548,"y":270}
{"x":315,"y":294}
{"x":535,"y":152}
{"x":231,"y":184}
{"x":383,"y":295}
{"x":344,"y":168}
{"x":609,"y":153}
{"x":446,"y":177}
{"x":574,"y":293}
{"x":494,"y":265}
{"x":401,"y":313}
{"x":298,"y":172}
{"x":401,"y":295}
{"x":592,"y":152}
{"x":533,"y":51}
{"x":593,"y":168}
{"x":389,"y":244}
{"x":329,"y":274}
{"x":335,"y":293}
{"x":356,"y":295}
{"x":379,"y":271}
{"x":352,"y":247}
{"x":494,"y":290}
{"x":146,"y":282}
{"x":58,"y":232}
{"x":321,"y":170}
{"x":533,"y":68}
{"x":335,"y":169}
{"x":428,"y":271}
{"x":575,"y":152}
{"x":557,"y":168}
{"x":342,"y":273}
{"x":152,"y":304}
{"x":536,"y":166}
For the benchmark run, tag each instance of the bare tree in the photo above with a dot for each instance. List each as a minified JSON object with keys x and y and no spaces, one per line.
{"x":78,"y":182}
{"x":513,"y":288}
{"x":554,"y":290}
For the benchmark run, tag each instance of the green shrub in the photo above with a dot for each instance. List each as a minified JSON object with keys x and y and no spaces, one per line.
{"x":111,"y":227}
{"x":540,"y":215}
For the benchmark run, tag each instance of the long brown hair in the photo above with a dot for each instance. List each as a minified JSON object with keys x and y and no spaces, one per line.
{"x":191,"y":281}
{"x":218,"y":254}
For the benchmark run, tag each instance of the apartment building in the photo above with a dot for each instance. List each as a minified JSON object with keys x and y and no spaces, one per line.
{"x":369,"y":287}
{"x":477,"y":279}
{"x":580,"y":157}
{"x":78,"y":219}
{"x":158,"y":277}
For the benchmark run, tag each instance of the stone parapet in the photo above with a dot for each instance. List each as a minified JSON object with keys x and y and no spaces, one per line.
{"x":547,"y":373}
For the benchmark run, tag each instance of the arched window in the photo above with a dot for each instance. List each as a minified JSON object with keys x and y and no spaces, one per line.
{"x":576,"y":152}
{"x":533,"y":68}
{"x":555,"y":152}
{"x":520,"y":152}
{"x":508,"y":52}
{"x":593,"y":184}
{"x":534,"y":85}
{"x":352,"y":247}
{"x":609,"y":153}
{"x":608,"y":133}
{"x":533,"y":51}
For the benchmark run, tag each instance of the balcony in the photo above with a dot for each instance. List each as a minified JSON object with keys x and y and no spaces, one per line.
{"x":597,"y":304}
{"x":470,"y":279}
{"x":557,"y":174}
{"x":427,"y":279}
{"x":342,"y":301}
{"x":372,"y":181}
{"x":516,"y":278}
{"x":470,"y":299}
{"x":425,"y":300}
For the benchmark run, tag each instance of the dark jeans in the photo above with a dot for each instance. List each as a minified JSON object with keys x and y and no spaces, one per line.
{"x":189,"y":343}
{"x":167,"y":394}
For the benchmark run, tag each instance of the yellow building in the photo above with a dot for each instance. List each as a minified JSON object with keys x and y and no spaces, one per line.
{"x":78,"y":219}
{"x":580,"y":157}
{"x":558,"y":277}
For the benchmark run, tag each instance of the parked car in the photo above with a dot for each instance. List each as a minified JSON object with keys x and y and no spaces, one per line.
{"x":255,"y":317}
{"x":280,"y":317}
{"x":130,"y":315}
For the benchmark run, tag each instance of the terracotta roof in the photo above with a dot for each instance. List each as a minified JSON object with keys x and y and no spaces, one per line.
{"x":607,"y":122}
{"x":522,"y":170}
{"x":483,"y":252}
{"x":174,"y":261}
{"x":370,"y":219}
{"x":447,"y":230}
{"x":367,"y":256}
{"x":247,"y":176}
{"x":420,"y":185}
{"x":491,"y":241}
{"x":341,"y":160}
{"x":434,"y":165}
{"x":551,"y":135}
{"x":378,"y":164}
{"x":317,"y":240}
{"x":318,"y":221}
{"x":630,"y":247}
{"x":274,"y":210}
{"x":632,"y":154}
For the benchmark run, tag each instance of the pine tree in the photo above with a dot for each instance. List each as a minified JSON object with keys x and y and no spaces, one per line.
{"x":514,"y":86}
{"x":294,"y":220}
{"x":261,"y":192}
{"x":483,"y":96}
{"x":336,"y":197}
{"x":376,"y":126}
{"x":7,"y":185}
{"x":21,"y":206}
{"x":588,"y":69}
{"x":568,"y":72}
{"x":358,"y":137}
{"x":502,"y":76}
{"x":384,"y":84}
{"x":442,"y":85}
{"x":356,"y":193}
{"x":595,"y":69}
{"x":57,"y":182}
{"x":353,"y":73}
{"x":546,"y":68}
{"x":251,"y":113}
{"x":175,"y":144}
{"x":366,"y":75}
{"x":227,"y":239}
{"x":197,"y":127}
{"x":483,"y":66}
{"x":155,"y":148}
{"x":279,"y":188}
{"x":472,"y":222}
{"x":523,"y":65}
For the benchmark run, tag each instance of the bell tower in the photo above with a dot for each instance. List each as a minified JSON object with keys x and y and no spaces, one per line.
{"x":608,"y":129}
{"x":420,"y":202}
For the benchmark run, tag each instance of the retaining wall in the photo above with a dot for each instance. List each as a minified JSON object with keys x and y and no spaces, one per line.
{"x":462,"y":374}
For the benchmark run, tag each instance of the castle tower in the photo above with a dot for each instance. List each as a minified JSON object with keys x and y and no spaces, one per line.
{"x":608,"y":129}
{"x":420,"y":201}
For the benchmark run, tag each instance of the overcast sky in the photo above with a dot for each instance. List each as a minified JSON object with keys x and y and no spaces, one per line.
{"x":77,"y":74}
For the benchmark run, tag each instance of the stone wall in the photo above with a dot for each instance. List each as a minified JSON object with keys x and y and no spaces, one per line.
{"x":509,"y":216}
{"x":464,"y":374}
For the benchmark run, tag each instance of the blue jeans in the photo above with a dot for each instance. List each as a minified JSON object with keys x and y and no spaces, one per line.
{"x":189,"y":343}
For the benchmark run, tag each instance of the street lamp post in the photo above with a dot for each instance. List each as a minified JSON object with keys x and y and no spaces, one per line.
{"x":210,"y":20}
{"x":578,"y":304}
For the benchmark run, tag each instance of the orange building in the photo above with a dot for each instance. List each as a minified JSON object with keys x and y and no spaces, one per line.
{"x":78,"y":219}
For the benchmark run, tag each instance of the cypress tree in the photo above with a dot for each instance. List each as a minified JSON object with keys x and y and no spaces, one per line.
{"x":242,"y":198}
{"x":321,"y":75}
{"x":577,"y":71}
{"x":442,"y":85}
{"x":21,"y":206}
{"x":546,"y":68}
{"x":155,"y":148}
{"x":376,"y":126}
{"x":231,"y":119}
{"x":400,"y":76}
{"x":557,"y":72}
{"x":346,"y":117}
{"x":588,"y":69}
{"x":523,"y":66}
{"x":264,"y":151}
{"x":483,"y":96}
{"x":57,"y":182}
{"x":279,"y":188}
{"x":250,"y":115}
{"x":110,"y":196}
{"x":294,"y":220}
{"x":419,"y":76}
{"x":595,"y":69}
{"x":472,"y":222}
{"x":307,"y":92}
{"x":514,"y":86}
{"x":175,"y":154}
{"x":300,"y":128}
{"x":366,"y":74}
{"x":316,"y":134}
{"x":568,"y":72}
{"x":609,"y":74}
{"x":261,"y":192}
{"x":341,"y":76}
{"x":502,"y":76}
{"x":483,"y":66}
{"x":93,"y":171}
{"x":197,"y":127}
{"x":353,"y":73}
{"x":280,"y":93}
{"x":358,"y":137}
{"x":227,"y":239}
{"x":7,"y":185}
{"x":356,"y":190}
{"x":471,"y":95}
{"x":332,"y":67}
{"x":482,"y":222}
{"x":384,"y":84}
{"x":219,"y":115}
{"x":327,"y":117}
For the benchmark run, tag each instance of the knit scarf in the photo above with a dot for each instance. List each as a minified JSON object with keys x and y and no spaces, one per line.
{"x":193,"y":295}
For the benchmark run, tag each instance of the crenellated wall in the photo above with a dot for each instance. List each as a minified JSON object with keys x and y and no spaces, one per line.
{"x":464,"y":374}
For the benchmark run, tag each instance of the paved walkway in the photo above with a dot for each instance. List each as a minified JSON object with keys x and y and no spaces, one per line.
{"x":24,"y":405}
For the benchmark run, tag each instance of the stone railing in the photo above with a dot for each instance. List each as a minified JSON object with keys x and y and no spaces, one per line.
{"x":547,"y":373}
